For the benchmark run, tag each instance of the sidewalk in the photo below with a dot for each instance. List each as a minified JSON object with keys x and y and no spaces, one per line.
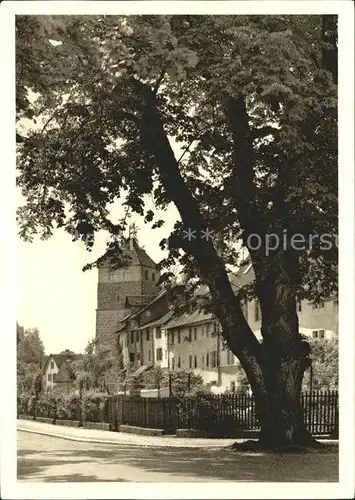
{"x":108,"y":437}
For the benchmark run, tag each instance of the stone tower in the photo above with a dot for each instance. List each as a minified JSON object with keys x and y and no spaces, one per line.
{"x":118,"y":289}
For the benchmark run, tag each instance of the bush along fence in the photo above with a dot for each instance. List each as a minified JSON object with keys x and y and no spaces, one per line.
{"x":225,"y":415}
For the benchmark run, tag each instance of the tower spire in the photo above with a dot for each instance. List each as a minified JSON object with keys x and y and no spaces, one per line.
{"x":132,"y":234}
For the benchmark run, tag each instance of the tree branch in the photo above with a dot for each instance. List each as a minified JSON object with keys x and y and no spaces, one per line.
{"x":258,"y":133}
{"x":236,"y":330}
{"x":158,"y":82}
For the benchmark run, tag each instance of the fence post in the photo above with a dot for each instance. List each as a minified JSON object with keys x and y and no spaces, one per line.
{"x":35,"y":408}
{"x":310,"y":423}
{"x":98,"y":410}
{"x":145,"y":404}
{"x":123,"y":420}
{"x":334,"y":401}
{"x":81,"y":403}
{"x":55,"y":416}
{"x":170,"y":386}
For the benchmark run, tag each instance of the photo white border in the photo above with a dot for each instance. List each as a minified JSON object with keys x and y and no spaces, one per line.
{"x":10,"y":488}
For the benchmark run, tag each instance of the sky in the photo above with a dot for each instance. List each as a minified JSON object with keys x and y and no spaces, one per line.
{"x":56,"y":296}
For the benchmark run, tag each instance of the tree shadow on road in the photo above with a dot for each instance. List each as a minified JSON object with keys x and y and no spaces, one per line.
{"x":197,"y":464}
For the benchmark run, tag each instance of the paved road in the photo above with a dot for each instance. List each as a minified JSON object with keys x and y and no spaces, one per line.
{"x":47,"y":459}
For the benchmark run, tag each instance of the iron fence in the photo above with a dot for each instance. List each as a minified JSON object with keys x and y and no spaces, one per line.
{"x":218,"y":415}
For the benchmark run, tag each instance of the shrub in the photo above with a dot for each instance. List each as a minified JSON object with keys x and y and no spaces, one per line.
{"x":47,"y":405}
{"x":72,"y":402}
{"x":213,"y":414}
{"x":197,"y":411}
{"x":25,"y":404}
{"x":91,"y":408}
{"x":94,"y":405}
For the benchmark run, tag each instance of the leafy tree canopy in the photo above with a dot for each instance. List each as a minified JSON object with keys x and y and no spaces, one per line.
{"x":90,"y":76}
{"x":30,"y":351}
{"x":98,"y":365}
{"x":325,"y":365}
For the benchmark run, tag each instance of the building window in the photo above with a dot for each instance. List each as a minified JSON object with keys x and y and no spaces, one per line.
{"x":233,"y":386}
{"x":49,"y":377}
{"x":131,"y":357}
{"x":173,"y":363}
{"x":203,"y":361}
{"x":256,"y":310}
{"x":321,"y":334}
{"x":245,"y":310}
{"x":148,"y":335}
{"x":52,"y":365}
{"x":153,"y":276}
{"x":158,"y":332}
{"x":54,"y":377}
{"x":146,"y":275}
{"x":207,"y":329}
{"x":299,"y":306}
{"x":137,"y":336}
{"x":132,"y":337}
{"x":214,"y":359}
{"x":230,"y":357}
{"x":195,"y":363}
{"x":190,"y":361}
{"x":149,"y":355}
{"x":195,"y":333}
{"x":207,"y":359}
{"x":315,"y":334}
{"x":179,"y":335}
{"x":118,"y":298}
{"x":179,"y":362}
{"x":159,"y":354}
{"x":190,"y":334}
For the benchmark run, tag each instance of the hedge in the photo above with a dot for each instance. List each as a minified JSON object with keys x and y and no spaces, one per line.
{"x":91,"y":407}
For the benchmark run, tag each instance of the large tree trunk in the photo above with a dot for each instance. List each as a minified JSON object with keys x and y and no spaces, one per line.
{"x":285,"y":354}
{"x":284,"y":425}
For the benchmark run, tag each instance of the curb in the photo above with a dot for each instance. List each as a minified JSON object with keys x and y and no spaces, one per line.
{"x":123,"y":442}
{"x":81,"y":439}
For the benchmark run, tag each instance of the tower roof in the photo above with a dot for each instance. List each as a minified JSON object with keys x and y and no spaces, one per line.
{"x":142,"y":255}
{"x":137,"y":255}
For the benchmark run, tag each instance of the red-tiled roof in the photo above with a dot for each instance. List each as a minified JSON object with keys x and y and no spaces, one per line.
{"x":65,"y":373}
{"x":138,"y":300}
{"x":161,"y":321}
{"x":190,"y":319}
{"x":59,"y":359}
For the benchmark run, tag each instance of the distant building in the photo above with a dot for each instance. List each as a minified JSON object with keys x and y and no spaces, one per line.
{"x":57,"y":371}
{"x":124,"y":291}
{"x":132,"y":310}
